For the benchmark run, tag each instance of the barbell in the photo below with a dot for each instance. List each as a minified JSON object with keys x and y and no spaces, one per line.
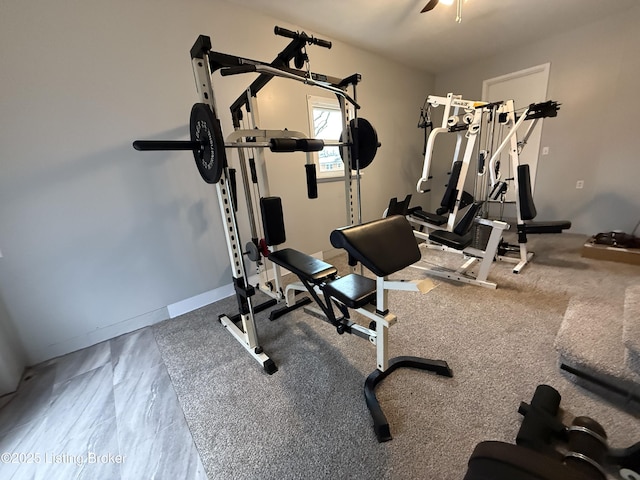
{"x":208,"y":147}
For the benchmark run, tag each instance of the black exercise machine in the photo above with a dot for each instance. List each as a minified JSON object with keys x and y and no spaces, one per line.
{"x":546,"y":449}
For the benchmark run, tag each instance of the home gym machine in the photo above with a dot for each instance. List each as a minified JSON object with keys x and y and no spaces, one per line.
{"x":525,"y":208}
{"x":383,"y":246}
{"x":546,"y":449}
{"x":454,"y":225}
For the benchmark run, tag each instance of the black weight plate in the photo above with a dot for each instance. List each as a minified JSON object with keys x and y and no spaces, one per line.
{"x":367,"y":142}
{"x":205,"y":128}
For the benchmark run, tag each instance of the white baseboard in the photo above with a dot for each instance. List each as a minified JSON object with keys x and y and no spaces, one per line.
{"x":199,"y":301}
{"x":97,"y":336}
{"x":112,"y":331}
{"x":207,"y":298}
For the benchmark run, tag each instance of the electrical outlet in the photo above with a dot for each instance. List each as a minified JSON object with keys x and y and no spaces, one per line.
{"x":545,"y":150}
{"x":580,"y":184}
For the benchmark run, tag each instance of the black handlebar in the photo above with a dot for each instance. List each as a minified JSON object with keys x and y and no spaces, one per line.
{"x":162,"y":145}
{"x":311,"y":40}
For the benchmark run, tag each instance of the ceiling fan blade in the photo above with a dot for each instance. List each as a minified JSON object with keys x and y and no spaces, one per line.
{"x":429,"y":6}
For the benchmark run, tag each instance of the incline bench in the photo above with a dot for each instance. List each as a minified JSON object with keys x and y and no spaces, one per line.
{"x":383,"y":246}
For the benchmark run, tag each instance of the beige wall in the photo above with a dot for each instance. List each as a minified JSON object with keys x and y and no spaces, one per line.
{"x":594,"y":72}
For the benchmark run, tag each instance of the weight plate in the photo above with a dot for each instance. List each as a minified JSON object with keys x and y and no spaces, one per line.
{"x":205,"y":128}
{"x":367,"y":146}
{"x":253,"y":253}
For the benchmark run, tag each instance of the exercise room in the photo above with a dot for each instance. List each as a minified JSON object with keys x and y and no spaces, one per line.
{"x":246,"y":239}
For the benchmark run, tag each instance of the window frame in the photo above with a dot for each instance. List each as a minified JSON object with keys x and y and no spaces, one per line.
{"x":331,"y":103}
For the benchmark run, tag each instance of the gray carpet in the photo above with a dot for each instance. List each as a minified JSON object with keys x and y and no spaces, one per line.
{"x":309,"y":420}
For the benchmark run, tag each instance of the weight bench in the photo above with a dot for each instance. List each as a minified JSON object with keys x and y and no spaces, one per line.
{"x":384,"y":247}
{"x":526,"y":213}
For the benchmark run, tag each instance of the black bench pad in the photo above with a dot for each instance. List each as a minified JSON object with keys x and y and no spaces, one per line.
{"x":544,"y":227}
{"x":428,"y":217}
{"x":304,"y":266}
{"x":353,"y":290}
{"x":450,"y":239}
{"x":384,"y":246}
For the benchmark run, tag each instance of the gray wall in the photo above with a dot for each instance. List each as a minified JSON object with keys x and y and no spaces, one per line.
{"x":99,"y":239}
{"x":594,"y":74}
{"x":12,"y":355}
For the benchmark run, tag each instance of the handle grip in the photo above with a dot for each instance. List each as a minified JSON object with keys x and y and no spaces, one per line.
{"x":320,"y":42}
{"x":283,"y":32}
{"x":312,"y":181}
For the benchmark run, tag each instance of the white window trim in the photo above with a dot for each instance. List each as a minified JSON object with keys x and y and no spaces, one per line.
{"x":332,"y":103}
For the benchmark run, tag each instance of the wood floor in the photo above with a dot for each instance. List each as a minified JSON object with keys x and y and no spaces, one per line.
{"x":105,"y":412}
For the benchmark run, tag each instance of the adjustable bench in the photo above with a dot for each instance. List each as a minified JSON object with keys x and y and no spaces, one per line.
{"x":384,"y":247}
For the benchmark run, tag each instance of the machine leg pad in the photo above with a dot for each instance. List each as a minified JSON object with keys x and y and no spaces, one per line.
{"x":270,"y":367}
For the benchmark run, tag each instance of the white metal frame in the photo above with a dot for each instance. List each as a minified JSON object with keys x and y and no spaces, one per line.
{"x":249,"y":138}
{"x":379,"y":313}
{"x":515,"y":147}
{"x":473,"y":110}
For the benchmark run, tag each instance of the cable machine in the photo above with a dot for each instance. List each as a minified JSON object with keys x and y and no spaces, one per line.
{"x":453,"y":226}
{"x":525,"y":208}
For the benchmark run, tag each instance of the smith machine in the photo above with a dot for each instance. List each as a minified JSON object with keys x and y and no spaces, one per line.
{"x":383,"y":246}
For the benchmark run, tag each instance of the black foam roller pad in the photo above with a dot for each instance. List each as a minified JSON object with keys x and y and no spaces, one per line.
{"x":283,"y":145}
{"x":312,"y":182}
{"x":310,"y":144}
{"x":273,"y":220}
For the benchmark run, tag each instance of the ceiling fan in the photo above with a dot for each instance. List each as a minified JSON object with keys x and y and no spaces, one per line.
{"x":433,"y":3}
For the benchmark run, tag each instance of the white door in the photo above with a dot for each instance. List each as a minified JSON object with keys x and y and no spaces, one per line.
{"x":523,"y":87}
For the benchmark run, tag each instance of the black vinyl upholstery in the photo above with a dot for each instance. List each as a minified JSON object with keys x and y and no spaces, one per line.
{"x":303,"y":265}
{"x":451,"y":192}
{"x":353,"y":290}
{"x":383,"y":246}
{"x":462,"y":235}
{"x":432,"y":218}
{"x":527,"y":207}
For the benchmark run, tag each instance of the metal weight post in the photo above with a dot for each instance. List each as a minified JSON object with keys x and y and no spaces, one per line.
{"x":245,"y":330}
{"x":247,"y":137}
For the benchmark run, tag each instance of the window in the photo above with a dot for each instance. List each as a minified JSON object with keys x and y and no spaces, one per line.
{"x":325,"y":122}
